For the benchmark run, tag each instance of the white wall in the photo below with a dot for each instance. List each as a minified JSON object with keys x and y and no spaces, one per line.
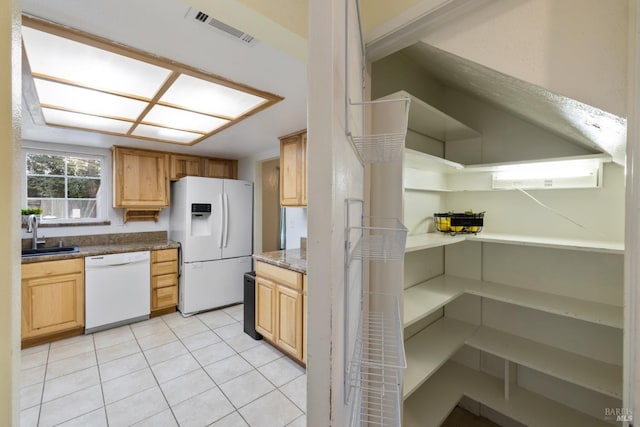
{"x":576,"y":48}
{"x":10,"y":123}
{"x":334,"y":174}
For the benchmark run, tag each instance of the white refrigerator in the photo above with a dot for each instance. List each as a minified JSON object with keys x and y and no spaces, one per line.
{"x":213,"y":221}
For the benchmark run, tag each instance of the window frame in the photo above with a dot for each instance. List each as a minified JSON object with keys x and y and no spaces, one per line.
{"x":102,"y":197}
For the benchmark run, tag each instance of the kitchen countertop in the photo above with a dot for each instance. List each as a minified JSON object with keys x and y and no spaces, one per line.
{"x":292,"y":259}
{"x":103,"y":250}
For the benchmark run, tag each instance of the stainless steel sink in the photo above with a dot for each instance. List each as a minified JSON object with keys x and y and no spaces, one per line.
{"x":49,"y":251}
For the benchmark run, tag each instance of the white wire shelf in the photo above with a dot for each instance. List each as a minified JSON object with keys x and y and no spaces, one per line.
{"x":377,"y":407}
{"x":382,"y":140}
{"x":381,"y":239}
{"x":384,"y":147}
{"x":375,"y":371}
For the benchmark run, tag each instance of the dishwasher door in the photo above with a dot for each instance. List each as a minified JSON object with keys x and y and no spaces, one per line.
{"x":117,"y":289}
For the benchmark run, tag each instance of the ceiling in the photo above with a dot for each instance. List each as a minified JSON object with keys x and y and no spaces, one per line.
{"x":577,"y":122}
{"x":160,"y":28}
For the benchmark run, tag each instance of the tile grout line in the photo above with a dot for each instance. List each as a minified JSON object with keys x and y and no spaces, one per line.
{"x":156,"y":378}
{"x":44,"y":380}
{"x":104,"y":403}
{"x":85,"y":388}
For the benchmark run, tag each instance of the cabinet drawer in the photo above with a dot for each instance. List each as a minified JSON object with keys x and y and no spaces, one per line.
{"x":164,"y":281}
{"x":160,"y":268}
{"x":162,"y":255}
{"x":280,"y":275}
{"x":164,"y":297}
{"x":52,"y":268}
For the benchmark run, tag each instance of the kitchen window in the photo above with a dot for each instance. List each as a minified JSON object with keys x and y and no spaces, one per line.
{"x":67,"y":187}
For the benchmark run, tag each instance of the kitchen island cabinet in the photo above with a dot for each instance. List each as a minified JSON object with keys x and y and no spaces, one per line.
{"x":52,"y":300}
{"x":281,"y":307}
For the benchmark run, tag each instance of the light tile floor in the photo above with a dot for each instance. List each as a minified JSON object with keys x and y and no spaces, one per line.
{"x":197,"y":371}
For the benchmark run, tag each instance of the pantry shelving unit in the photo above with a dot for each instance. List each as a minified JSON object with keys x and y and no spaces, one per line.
{"x":460,"y":315}
{"x":433,"y":402}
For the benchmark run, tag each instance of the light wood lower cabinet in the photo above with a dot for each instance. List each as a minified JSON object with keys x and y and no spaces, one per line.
{"x":164,"y":280}
{"x":265,"y":307}
{"x":52,"y":298}
{"x":289,"y":320}
{"x":280,"y":308}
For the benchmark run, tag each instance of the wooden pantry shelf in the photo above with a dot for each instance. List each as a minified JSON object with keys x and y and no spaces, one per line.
{"x":431,"y":348}
{"x":432,"y":403}
{"x":451,"y":286}
{"x":574,"y":368}
{"x":419,"y":242}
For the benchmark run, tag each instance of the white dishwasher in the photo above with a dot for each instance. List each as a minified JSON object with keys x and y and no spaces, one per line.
{"x":117,"y":289}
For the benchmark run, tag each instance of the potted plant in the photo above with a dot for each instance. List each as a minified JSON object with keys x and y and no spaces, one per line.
{"x":29,"y":211}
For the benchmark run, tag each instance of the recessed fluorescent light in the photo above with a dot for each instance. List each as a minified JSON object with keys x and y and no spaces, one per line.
{"x":85,"y":121}
{"x":68,"y":60}
{"x":165,"y":134}
{"x":181,"y":119}
{"x":210,"y":98}
{"x":89,"y":83}
{"x":87,"y":101}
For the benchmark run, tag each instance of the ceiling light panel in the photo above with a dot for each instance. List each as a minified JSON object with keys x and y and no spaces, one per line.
{"x":87,"y":101}
{"x":181,"y":119}
{"x":210,"y":98}
{"x":165,"y":134}
{"x":90,"y":66}
{"x":85,"y":121}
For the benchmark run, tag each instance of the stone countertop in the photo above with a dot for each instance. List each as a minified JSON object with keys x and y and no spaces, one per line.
{"x":292,"y":259}
{"x":104,"y":250}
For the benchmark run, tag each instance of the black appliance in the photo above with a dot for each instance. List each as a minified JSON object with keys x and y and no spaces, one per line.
{"x":250,"y":305}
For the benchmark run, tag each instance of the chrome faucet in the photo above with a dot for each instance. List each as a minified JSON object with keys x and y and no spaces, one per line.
{"x":32,"y":227}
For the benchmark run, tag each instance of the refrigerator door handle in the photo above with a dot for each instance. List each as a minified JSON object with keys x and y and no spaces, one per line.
{"x":222,"y":220}
{"x":226,"y":219}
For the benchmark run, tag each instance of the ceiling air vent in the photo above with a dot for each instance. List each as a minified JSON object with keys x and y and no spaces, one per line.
{"x":219,"y":26}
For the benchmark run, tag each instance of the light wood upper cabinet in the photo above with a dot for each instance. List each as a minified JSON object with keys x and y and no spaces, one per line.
{"x":280,"y":308}
{"x":52,"y":297}
{"x":181,"y":166}
{"x":141,"y":178}
{"x":293,"y":169}
{"x":219,"y":168}
{"x":208,"y":167}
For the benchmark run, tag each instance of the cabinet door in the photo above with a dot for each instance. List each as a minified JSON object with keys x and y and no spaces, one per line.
{"x":52,"y":304}
{"x":182,"y":166}
{"x":304,"y":319}
{"x":164,"y":297}
{"x":303,"y":167}
{"x":290,"y":171}
{"x":289,"y":321}
{"x":265,"y":307}
{"x":140,"y":178}
{"x":220,"y":168}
